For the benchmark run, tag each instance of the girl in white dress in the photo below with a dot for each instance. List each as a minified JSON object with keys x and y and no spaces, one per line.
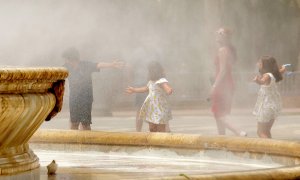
{"x":155,"y":109}
{"x":268,"y":104}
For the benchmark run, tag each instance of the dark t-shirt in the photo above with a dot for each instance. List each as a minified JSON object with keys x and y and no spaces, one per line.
{"x":80,"y":81}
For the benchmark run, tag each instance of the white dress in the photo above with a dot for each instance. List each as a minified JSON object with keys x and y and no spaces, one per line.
{"x":268,"y":104}
{"x":155,"y":108}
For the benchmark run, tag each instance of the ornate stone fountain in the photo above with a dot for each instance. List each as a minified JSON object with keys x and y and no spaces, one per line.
{"x":28,"y":97}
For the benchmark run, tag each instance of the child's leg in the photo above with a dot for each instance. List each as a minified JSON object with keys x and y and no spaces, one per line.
{"x":269,"y":127}
{"x":152,"y":127}
{"x":86,"y":126}
{"x":262,"y":130}
{"x":161,"y":128}
{"x":168,"y":127}
{"x":74,"y":125}
{"x":138,"y":121}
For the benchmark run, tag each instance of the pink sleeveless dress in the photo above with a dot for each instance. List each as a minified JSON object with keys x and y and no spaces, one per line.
{"x":223,"y":94}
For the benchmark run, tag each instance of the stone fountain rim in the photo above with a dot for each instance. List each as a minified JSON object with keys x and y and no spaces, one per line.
{"x":175,"y":140}
{"x":32,"y":73}
{"x":189,"y":141}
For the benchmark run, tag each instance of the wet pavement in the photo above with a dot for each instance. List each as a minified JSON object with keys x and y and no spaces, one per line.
{"x":286,"y":127}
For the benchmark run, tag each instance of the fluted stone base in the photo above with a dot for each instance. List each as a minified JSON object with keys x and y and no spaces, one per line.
{"x":26,"y":113}
{"x":17,"y":159}
{"x":28,"y":96}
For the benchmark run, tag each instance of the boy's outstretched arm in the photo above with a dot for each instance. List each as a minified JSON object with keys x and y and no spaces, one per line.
{"x":115,"y":64}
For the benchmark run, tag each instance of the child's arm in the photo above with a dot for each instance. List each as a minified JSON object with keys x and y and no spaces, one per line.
{"x":130,"y":90}
{"x":264,"y":80}
{"x":167,"y":88}
{"x":115,"y":64}
{"x":282,"y":69}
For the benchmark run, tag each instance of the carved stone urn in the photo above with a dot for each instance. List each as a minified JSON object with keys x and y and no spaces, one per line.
{"x":28,"y":97}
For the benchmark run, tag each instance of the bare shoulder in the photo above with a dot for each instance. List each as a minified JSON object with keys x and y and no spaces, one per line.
{"x":266,"y":79}
{"x":266,"y":75}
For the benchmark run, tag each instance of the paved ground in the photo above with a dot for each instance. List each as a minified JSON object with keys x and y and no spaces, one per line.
{"x":200,"y":122}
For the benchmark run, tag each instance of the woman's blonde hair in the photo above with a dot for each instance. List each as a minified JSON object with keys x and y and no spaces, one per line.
{"x":223,"y":31}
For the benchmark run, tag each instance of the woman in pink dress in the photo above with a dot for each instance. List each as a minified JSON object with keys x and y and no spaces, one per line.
{"x":223,"y":87}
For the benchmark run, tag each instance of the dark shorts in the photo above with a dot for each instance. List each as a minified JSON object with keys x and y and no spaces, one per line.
{"x":81,"y":112}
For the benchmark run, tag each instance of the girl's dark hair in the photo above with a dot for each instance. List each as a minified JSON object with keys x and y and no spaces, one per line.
{"x":269,"y":65}
{"x":155,"y":71}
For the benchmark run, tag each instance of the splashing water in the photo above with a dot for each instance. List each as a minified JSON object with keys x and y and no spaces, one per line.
{"x":152,"y":161}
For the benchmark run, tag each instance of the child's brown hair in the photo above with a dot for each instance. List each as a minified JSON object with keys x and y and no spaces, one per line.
{"x":155,"y":71}
{"x":269,"y":65}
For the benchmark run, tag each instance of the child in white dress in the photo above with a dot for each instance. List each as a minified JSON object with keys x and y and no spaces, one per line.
{"x":268,"y":104}
{"x":155,"y":109}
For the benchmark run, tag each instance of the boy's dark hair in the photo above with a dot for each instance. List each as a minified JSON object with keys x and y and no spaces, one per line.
{"x":269,"y":65}
{"x":71,"y":54}
{"x":155,"y":71}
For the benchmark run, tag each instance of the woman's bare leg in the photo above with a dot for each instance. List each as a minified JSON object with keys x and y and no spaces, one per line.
{"x":221,"y":127}
{"x":229,"y":126}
